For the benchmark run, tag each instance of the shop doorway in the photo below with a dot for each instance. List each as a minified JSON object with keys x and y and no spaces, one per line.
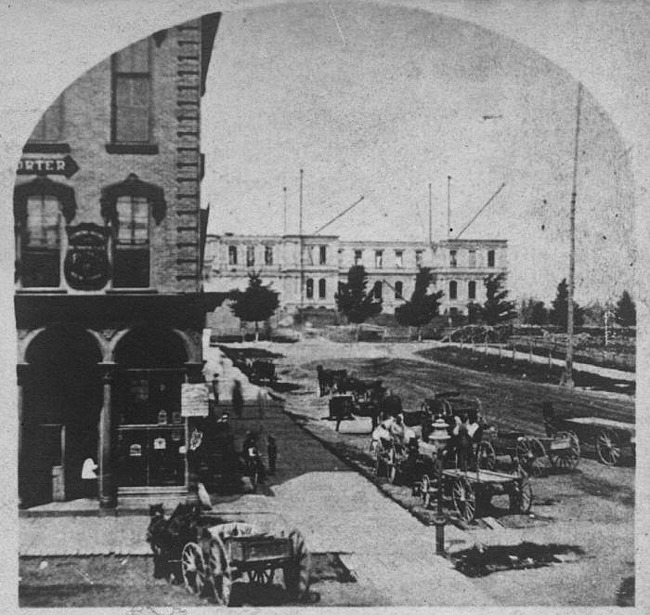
{"x":62,"y":399}
{"x":151,"y":433}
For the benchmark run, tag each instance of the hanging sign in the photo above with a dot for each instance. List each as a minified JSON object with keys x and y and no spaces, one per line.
{"x":194,"y":399}
{"x":48,"y":166}
{"x":86,"y":262}
{"x":135,"y":450}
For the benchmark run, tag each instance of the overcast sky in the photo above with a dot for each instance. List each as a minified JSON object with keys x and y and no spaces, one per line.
{"x":379,"y":101}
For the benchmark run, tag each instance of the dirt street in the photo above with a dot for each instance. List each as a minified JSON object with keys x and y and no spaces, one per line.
{"x":589,"y":511}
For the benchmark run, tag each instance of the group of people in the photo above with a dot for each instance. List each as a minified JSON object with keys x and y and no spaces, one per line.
{"x":464,"y":428}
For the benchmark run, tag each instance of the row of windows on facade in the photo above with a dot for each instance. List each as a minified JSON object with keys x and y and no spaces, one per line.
{"x":41,"y":241}
{"x":358,"y":257}
{"x":398,"y":288}
{"x":131,"y":101}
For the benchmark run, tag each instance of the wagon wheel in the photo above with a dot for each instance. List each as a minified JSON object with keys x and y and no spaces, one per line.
{"x":464,"y":499}
{"x":566,"y":459}
{"x":220,"y":574}
{"x":263,"y":577}
{"x":297,"y":572}
{"x":608,"y":447}
{"x":426,"y":493}
{"x":521,"y":498}
{"x":531,"y":455}
{"x":486,"y":456}
{"x":193,"y":568}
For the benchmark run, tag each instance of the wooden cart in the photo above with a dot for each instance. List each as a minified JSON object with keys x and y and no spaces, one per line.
{"x":531,"y":453}
{"x":471,"y":492}
{"x":608,"y":437}
{"x":209,"y":551}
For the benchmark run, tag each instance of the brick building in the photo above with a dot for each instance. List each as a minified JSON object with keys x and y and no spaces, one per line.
{"x":460,"y":267}
{"x":109,"y":245}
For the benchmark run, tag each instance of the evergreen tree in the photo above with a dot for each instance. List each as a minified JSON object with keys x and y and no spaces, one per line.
{"x":422,"y":307}
{"x":559,"y":308}
{"x":538,"y":314}
{"x":497,"y":309}
{"x":353,"y":301}
{"x":626,"y":310}
{"x":256,"y":303}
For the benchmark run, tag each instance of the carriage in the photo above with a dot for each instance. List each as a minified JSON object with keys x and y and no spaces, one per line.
{"x":208,"y":551}
{"x":606,"y":436}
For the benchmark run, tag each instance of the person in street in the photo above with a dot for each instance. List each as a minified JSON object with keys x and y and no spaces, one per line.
{"x":272,"y":452}
{"x":237,"y":399}
{"x":391,"y":405}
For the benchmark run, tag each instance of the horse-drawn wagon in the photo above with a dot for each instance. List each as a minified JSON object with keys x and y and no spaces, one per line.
{"x":208,"y":551}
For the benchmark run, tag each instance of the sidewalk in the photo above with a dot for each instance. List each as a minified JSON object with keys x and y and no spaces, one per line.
{"x":336,"y":509}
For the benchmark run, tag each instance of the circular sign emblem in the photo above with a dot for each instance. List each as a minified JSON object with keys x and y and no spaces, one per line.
{"x":86,"y":263}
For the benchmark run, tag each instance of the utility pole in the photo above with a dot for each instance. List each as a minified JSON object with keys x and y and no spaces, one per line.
{"x":430,"y":217}
{"x":302,"y":270}
{"x":567,"y":376}
{"x":285,"y":209}
{"x":448,"y":206}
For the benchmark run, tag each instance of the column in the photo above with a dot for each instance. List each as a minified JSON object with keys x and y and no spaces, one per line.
{"x":193,"y":373}
{"x":106,"y":480}
{"x":21,"y":372}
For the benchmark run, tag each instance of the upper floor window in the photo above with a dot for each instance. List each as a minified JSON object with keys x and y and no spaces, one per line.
{"x":131,"y":252}
{"x":358,"y":257}
{"x":309,"y":254}
{"x":232,"y":255}
{"x":132,"y":94}
{"x":129,"y":207}
{"x":378,"y":289}
{"x":490,"y":258}
{"x":471,"y":290}
{"x":40,"y":208}
{"x":268,"y":255}
{"x":250,"y":256}
{"x":472,"y":258}
{"x":379,"y":259}
{"x":399,"y":258}
{"x":399,"y":289}
{"x":453,"y":258}
{"x":50,"y":127}
{"x":323,"y":255}
{"x":453,"y":289}
{"x":310,"y":288}
{"x":41,"y":243}
{"x":418,"y":258}
{"x":322,"y":287}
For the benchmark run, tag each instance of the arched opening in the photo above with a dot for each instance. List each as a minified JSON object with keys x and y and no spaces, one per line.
{"x":151,"y":432}
{"x":62,"y":399}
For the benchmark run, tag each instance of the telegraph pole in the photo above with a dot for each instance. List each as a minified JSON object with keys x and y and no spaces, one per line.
{"x":567,"y":376}
{"x":448,"y":206}
{"x":302,"y":270}
{"x":430,"y":217}
{"x":285,"y":209}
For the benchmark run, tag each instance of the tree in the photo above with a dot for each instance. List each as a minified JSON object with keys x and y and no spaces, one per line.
{"x":256,"y":303}
{"x":497,"y":309}
{"x":533,"y":312}
{"x":626,"y":310}
{"x":353,"y":301}
{"x":474,"y":313}
{"x":559,"y":308}
{"x":422,"y":307}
